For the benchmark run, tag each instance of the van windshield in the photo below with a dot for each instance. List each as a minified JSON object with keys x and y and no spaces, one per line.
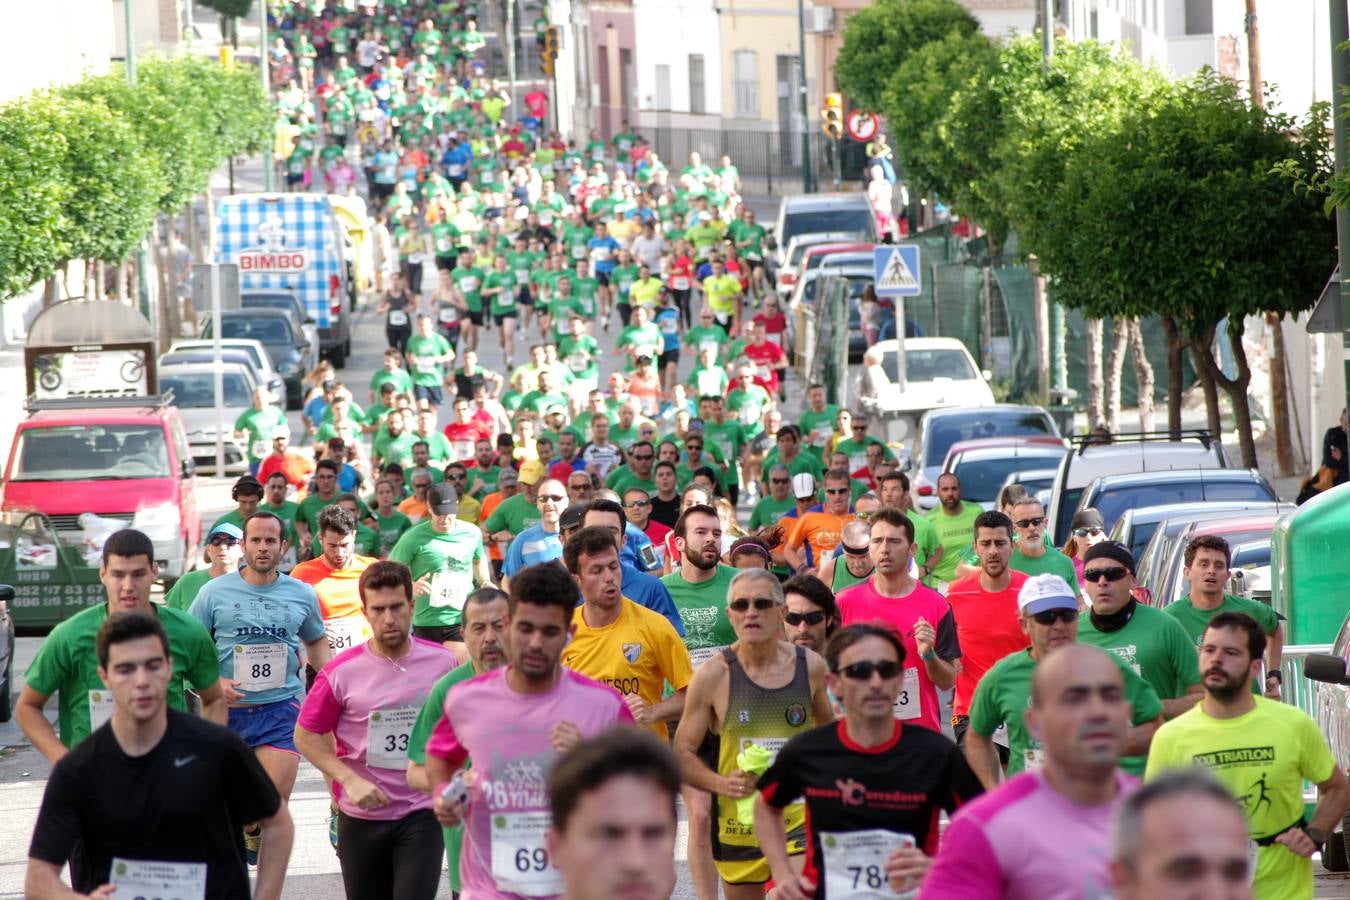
{"x":91,"y":453}
{"x":856,"y":220}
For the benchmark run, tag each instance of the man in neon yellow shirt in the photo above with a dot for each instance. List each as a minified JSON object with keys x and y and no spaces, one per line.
{"x":723,"y":293}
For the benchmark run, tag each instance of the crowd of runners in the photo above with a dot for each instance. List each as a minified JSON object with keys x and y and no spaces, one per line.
{"x":512,"y":616}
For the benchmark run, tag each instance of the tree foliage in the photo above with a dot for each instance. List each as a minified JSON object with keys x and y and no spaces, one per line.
{"x":85,"y":168}
{"x":880,"y":37}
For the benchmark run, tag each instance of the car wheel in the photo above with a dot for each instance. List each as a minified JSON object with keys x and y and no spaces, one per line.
{"x":1333,"y":854}
{"x":338,"y":356}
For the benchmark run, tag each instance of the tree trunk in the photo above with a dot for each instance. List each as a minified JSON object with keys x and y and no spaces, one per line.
{"x":1175,"y":346}
{"x":1094,"y":372}
{"x":1120,"y":337}
{"x":1143,"y":376}
{"x":1202,"y":354}
{"x":51,"y":292}
{"x":1235,"y":388}
{"x":1279,"y":398}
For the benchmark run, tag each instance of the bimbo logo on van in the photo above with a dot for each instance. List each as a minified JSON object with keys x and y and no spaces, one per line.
{"x":272,"y":254}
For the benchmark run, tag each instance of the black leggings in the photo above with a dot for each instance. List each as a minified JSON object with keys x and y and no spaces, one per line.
{"x":398,"y":337}
{"x":413,"y":272}
{"x":682,"y":301}
{"x":397,"y":859}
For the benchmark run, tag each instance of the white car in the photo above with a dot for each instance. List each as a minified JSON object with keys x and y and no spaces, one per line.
{"x":790,"y":268}
{"x":194,"y":393}
{"x":939,"y":372}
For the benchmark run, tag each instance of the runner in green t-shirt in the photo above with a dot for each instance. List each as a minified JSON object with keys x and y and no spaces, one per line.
{"x":428,"y":354}
{"x":257,"y":425}
{"x":468,"y":279}
{"x":954,"y":521}
{"x":447,"y":560}
{"x":499,"y":288}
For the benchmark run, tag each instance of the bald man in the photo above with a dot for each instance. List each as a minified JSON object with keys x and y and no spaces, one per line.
{"x":1047,"y":834}
{"x":852,"y":563}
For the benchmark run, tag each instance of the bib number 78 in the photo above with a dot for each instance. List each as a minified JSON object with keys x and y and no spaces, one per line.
{"x":868,"y":876}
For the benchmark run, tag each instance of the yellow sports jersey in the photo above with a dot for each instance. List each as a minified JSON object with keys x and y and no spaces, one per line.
{"x":636,"y":654}
{"x":1261,"y":757}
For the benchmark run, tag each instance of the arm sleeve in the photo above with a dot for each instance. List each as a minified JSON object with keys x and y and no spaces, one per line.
{"x":496,"y":521}
{"x":965,"y":867}
{"x":205,"y":668}
{"x":1315,"y":759}
{"x":321,"y":709}
{"x":663,"y":603}
{"x":985,"y":716}
{"x":514,"y":560}
{"x":432,"y":711}
{"x":312,"y":628}
{"x":1185,"y":659}
{"x":48,"y":669}
{"x":250,"y":794}
{"x":444,"y":743}
{"x":946,"y":646}
{"x":1266,"y":616}
{"x":58,"y":825}
{"x":674,"y":657}
{"x":1143,"y":698}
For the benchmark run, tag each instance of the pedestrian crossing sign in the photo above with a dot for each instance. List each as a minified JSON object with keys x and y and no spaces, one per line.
{"x":896,"y":270}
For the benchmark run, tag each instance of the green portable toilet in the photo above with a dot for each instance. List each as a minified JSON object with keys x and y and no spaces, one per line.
{"x":1310,"y":568}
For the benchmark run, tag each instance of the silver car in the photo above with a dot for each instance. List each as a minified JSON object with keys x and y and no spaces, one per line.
{"x":194,"y":393}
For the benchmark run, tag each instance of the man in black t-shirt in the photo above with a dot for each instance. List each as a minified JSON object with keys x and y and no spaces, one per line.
{"x":873,"y":785}
{"x":151,"y":802}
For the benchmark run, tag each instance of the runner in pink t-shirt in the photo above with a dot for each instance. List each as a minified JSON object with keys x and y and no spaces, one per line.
{"x":513,"y":723}
{"x":354,"y":727}
{"x":920,"y":615}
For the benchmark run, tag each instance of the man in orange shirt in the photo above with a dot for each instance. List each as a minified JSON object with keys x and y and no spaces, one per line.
{"x":508,"y":484}
{"x":335,"y":575}
{"x":817,"y":533}
{"x":415,"y":507}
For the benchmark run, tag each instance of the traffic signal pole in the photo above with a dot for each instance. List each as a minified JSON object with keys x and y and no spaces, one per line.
{"x":801,"y":89}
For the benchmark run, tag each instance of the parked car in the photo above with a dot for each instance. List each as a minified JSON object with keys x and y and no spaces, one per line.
{"x":284,"y":300}
{"x":807,"y":293}
{"x":121,"y":458}
{"x":939,"y":429}
{"x":791,"y":257}
{"x":983,"y":465}
{"x":1248,"y":537}
{"x":194,"y":393}
{"x":939,"y":373}
{"x":847,"y":213}
{"x":6,"y":654}
{"x":1111,"y":495}
{"x":191,"y":357}
{"x":1036,"y":481}
{"x":289,"y":350}
{"x":1135,"y":526}
{"x":1153,"y":451}
{"x":257,"y":355}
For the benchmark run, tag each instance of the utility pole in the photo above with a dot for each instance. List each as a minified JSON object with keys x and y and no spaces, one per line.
{"x":801,"y":90}
{"x":264,"y":63}
{"x":1059,"y":366}
{"x":142,"y":255}
{"x":1339,"y":25}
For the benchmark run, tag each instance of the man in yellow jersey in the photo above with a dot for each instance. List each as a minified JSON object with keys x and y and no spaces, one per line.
{"x":619,"y":642}
{"x":1261,"y":750}
{"x":334,"y":575}
{"x":755,"y":695}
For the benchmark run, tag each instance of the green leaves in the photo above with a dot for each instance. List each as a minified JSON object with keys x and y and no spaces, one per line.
{"x":85,"y":168}
{"x":879,"y":38}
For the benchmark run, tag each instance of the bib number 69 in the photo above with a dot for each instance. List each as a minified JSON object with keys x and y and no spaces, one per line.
{"x":535,"y":860}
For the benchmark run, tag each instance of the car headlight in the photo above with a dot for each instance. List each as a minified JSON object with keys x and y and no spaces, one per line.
{"x":288,"y":366}
{"x":161,"y":522}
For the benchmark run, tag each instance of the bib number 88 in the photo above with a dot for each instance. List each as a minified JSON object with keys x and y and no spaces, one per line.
{"x":869,"y":875}
{"x":535,"y":860}
{"x":262,"y":670}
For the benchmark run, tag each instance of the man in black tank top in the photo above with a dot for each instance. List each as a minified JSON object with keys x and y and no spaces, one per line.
{"x":756,"y":695}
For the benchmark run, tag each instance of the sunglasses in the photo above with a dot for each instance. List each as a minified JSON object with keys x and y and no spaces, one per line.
{"x":1051,"y":616}
{"x":693,"y":446}
{"x":862,"y":671}
{"x":761,"y":604}
{"x":1084,"y":532}
{"x":643,"y":457}
{"x":779,"y":480}
{"x":637,"y":504}
{"x":842,"y":490}
{"x":812,"y":618}
{"x":859,"y":427}
{"x":553,"y":498}
{"x":223,"y":541}
{"x":1037,"y":522}
{"x":1114,"y":573}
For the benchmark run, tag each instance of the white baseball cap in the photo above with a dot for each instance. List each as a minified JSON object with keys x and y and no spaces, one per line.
{"x":1045,"y":592}
{"x":803,"y":485}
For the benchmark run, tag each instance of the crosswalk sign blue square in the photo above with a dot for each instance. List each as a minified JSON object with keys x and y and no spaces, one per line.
{"x":896,"y":271}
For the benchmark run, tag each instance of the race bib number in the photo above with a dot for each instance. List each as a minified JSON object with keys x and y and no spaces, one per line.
{"x":699,"y":655}
{"x":907,"y":705}
{"x":345,"y":633}
{"x":520,"y":862}
{"x":448,"y":590}
{"x":100,"y":708}
{"x":137,"y":879}
{"x":820,"y":435}
{"x":522,"y":275}
{"x":681,"y":283}
{"x":397,"y":318}
{"x":709,"y":384}
{"x":448,"y":315}
{"x":669,"y":325}
{"x":857,"y":460}
{"x":455,"y":170}
{"x":259,"y":449}
{"x":762,"y":371}
{"x":387,"y":733}
{"x":444,"y":245}
{"x":469,"y":285}
{"x":1033,"y":759}
{"x":578,"y":251}
{"x":462,"y":449}
{"x":855,"y":863}
{"x":578,"y":362}
{"x":426,"y":366}
{"x":707,"y":344}
{"x":260,"y":667}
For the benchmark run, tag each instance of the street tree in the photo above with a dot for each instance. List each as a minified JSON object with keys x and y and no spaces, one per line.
{"x":32,"y":192}
{"x":1181,"y":211}
{"x":880,"y":37}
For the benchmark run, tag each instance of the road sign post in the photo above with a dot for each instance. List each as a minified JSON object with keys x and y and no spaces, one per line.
{"x":896,"y":274}
{"x":862,"y":126}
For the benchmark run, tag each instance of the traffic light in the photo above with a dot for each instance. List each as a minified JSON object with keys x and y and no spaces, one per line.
{"x":550,"y":52}
{"x":832,"y":116}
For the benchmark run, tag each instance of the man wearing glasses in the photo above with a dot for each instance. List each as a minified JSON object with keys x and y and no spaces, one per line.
{"x":1031,"y":554}
{"x":580,"y":487}
{"x":856,"y":444}
{"x":637,"y":506}
{"x":538,"y":543}
{"x":1048,"y":613}
{"x":919,"y":615}
{"x":817,"y":533}
{"x":636,"y":472}
{"x":1146,"y":639}
{"x":755,"y":694}
{"x":848,"y":770}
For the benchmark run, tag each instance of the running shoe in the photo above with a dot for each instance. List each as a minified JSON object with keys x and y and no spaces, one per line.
{"x":332,"y":828}
{"x":252,"y":844}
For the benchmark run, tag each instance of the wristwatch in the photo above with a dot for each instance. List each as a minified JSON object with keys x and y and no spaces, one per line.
{"x":1277,"y":675}
{"x":1316,"y":836}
